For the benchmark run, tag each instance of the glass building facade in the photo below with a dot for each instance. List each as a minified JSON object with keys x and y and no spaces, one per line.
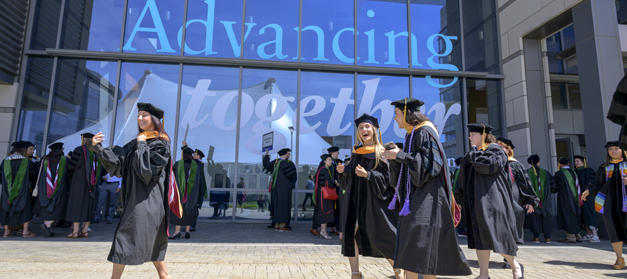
{"x":226,"y":72}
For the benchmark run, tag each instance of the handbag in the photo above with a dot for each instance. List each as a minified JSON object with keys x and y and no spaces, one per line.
{"x":36,"y":190}
{"x":329,"y":193}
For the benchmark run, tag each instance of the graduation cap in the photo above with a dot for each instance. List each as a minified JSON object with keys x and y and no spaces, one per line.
{"x":507,"y":142}
{"x":22,"y":144}
{"x":150,"y":108}
{"x":408,"y":103}
{"x":87,"y":135}
{"x":366,"y":118}
{"x":284,"y":151}
{"x":333,"y":149}
{"x":583,"y":159}
{"x":324,"y":156}
{"x":199,"y":153}
{"x":188,"y":150}
{"x":479,"y":128}
{"x":564,"y":161}
{"x":458,"y":160}
{"x":611,"y":143}
{"x":533,"y":159}
{"x":56,"y":145}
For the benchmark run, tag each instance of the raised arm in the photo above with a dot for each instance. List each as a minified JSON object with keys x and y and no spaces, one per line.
{"x":111,"y":158}
{"x":488,"y":161}
{"x":150,"y":160}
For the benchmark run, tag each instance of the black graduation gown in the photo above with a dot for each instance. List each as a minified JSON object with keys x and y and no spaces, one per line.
{"x":325,"y":209}
{"x":426,"y":238}
{"x":52,"y":208}
{"x":589,"y":217}
{"x":82,"y":200}
{"x":541,"y":220}
{"x":613,"y":216}
{"x":455,"y":180}
{"x":203,"y":188}
{"x":141,"y":235}
{"x":20,"y":210}
{"x":190,"y":206}
{"x":523,"y":195}
{"x":340,"y":196}
{"x":568,"y":209}
{"x":365,"y":205}
{"x":281,"y":209}
{"x":485,"y":187}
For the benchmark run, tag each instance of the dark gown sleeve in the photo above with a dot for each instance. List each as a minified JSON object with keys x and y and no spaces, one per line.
{"x":559,"y":179}
{"x":33,"y":172}
{"x":267,"y":165}
{"x":323,"y":177}
{"x":599,"y":181}
{"x":345,"y":178}
{"x":111,"y":158}
{"x":488,"y":161}
{"x":521,"y":176}
{"x":553,"y":184}
{"x":379,"y":180}
{"x":150,"y":160}
{"x":462,"y":178}
{"x":424,"y":160}
{"x":289,"y":170}
{"x":76,"y":159}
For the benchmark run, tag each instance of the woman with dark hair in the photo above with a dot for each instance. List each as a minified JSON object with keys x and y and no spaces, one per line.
{"x":188,"y":175}
{"x":324,"y":211}
{"x":589,"y":217}
{"x":609,"y":187}
{"x":52,"y":188}
{"x":86,"y":170}
{"x":17,"y":172}
{"x":426,"y":242}
{"x":144,"y":164}
{"x":369,"y":228}
{"x":485,"y":187}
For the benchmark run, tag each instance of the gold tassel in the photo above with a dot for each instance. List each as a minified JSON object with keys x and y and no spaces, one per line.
{"x":559,"y":166}
{"x":483,"y":145}
{"x":534,"y":170}
{"x":585,"y":163}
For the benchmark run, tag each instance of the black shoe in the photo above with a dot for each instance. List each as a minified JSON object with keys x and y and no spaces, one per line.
{"x":109,"y":221}
{"x":522,"y":271}
{"x":47,"y":232}
{"x":176,"y":236}
{"x":288,"y":227}
{"x":96,"y":221}
{"x":271,"y":226}
{"x":187,"y":236}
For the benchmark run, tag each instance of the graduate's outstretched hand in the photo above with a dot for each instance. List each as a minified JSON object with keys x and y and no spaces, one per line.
{"x":98,"y":138}
{"x":267,"y":151}
{"x":340,"y":168}
{"x":141,"y":137}
{"x":360,"y":171}
{"x":529,"y":209}
{"x":585,"y":194}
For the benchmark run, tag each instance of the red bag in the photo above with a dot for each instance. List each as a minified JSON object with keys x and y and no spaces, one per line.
{"x":329,"y":193}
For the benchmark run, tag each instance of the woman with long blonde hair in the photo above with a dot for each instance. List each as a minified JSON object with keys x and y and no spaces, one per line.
{"x":369,"y":228}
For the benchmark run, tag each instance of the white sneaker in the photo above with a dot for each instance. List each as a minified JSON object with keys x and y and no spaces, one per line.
{"x":587,"y":237}
{"x":595,"y":239}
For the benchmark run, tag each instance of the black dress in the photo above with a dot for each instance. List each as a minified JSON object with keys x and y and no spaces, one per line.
{"x":613,"y":216}
{"x":426,"y":238}
{"x":365,"y":205}
{"x":281,"y":207}
{"x":141,"y":234}
{"x":568,"y":208}
{"x":19,"y":211}
{"x":523,"y":194}
{"x":53,"y":207}
{"x":324,"y":211}
{"x":541,"y":220}
{"x":589,"y":217}
{"x":193,"y":200}
{"x":82,"y":201}
{"x":485,"y":187}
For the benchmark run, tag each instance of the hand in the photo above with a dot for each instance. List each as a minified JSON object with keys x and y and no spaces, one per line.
{"x":624,"y":180}
{"x":68,"y":156}
{"x":184,"y":143}
{"x":390,"y":154}
{"x":98,"y":138}
{"x":118,"y":190}
{"x":360,"y":171}
{"x":141,"y":137}
{"x":340,"y":168}
{"x":529,"y":209}
{"x":267,"y":151}
{"x":585,"y":194}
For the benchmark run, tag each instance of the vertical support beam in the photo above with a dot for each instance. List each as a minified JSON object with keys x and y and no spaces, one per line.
{"x":237,"y":134}
{"x":178,"y":111}
{"x":297,"y":130}
{"x":123,"y":26}
{"x":547,"y":111}
{"x":114,"y":110}
{"x":183,"y":35}
{"x":409,"y":57}
{"x":241,"y":49}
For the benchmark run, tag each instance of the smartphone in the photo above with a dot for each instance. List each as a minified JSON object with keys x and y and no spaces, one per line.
{"x":389,"y":145}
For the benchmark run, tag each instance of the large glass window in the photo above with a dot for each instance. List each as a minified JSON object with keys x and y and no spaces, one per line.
{"x":35,"y":101}
{"x":272,"y":26}
{"x":328,"y":34}
{"x":484,"y":99}
{"x":92,"y":25}
{"x":146,"y":83}
{"x":481,"y":37}
{"x":45,"y":24}
{"x":382,"y":27}
{"x":375,"y":93}
{"x":83,"y":100}
{"x":152,"y":26}
{"x":214,"y":28}
{"x":429,"y":50}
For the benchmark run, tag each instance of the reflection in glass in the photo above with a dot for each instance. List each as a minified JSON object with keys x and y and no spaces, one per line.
{"x":45,"y":24}
{"x":273,"y":26}
{"x":152,"y":26}
{"x":375,"y":95}
{"x":481,"y":38}
{"x":305,"y":215}
{"x":484,"y":99}
{"x":92,"y":25}
{"x":35,"y":101}
{"x":252,"y":205}
{"x":443,"y":107}
{"x":558,"y":95}
{"x":214,"y":28}
{"x":553,"y":47}
{"x":328,"y":34}
{"x":382,"y":39}
{"x":82,"y":101}
{"x":574,"y":96}
{"x":146,"y":83}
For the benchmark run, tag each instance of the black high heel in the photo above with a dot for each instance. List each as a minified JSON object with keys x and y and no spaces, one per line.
{"x":522,"y":271}
{"x":176,"y":236}
{"x":187,"y":236}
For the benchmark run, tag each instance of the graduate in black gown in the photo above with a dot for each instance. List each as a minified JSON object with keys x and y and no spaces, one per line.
{"x":144,"y":164}
{"x":369,"y":227}
{"x":485,"y":187}
{"x":608,"y":191}
{"x":189,"y":177}
{"x":324,"y":211}
{"x":541,"y":220}
{"x":86,"y":172}
{"x":284,"y":176}
{"x":18,"y":174}
{"x":52,"y":188}
{"x":589,"y":217}
{"x":426,"y":242}
{"x":461,"y":226}
{"x":523,"y":192}
{"x":198,"y":155}
{"x":336,"y":226}
{"x":568,"y":201}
